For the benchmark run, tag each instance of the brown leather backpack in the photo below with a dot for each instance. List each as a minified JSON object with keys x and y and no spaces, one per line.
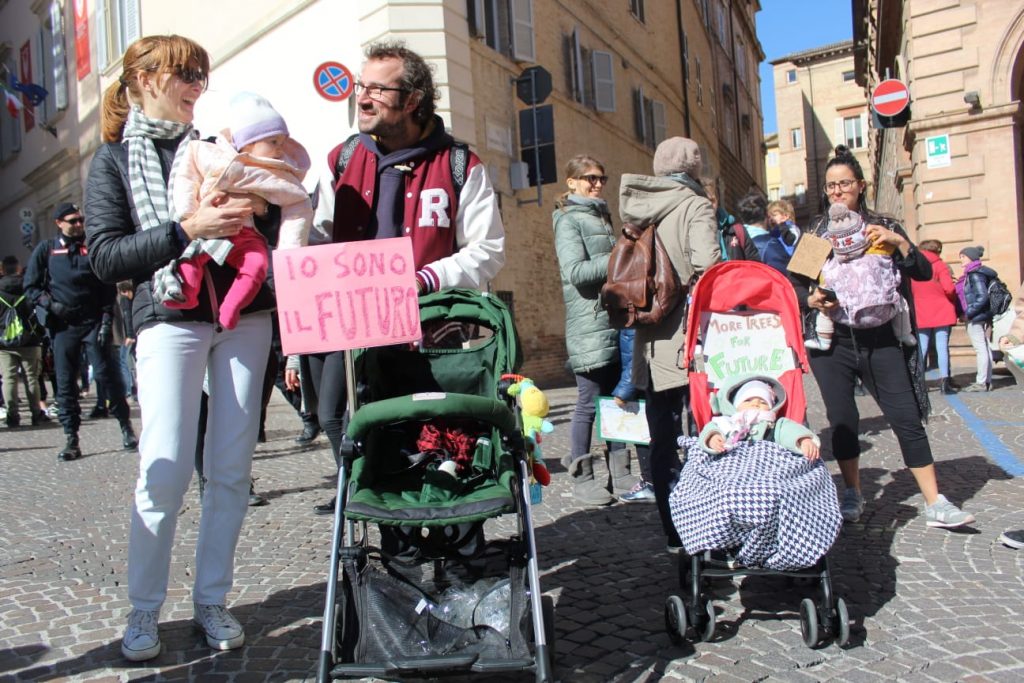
{"x":642,"y":286}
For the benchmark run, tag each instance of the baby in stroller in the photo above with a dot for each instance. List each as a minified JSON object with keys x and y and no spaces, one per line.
{"x":742,"y":490}
{"x":756,"y":420}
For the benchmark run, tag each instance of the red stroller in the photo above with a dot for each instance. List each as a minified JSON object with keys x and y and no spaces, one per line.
{"x":744,"y":319}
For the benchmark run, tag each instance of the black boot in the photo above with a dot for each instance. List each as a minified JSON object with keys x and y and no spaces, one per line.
{"x":946,"y":387}
{"x":255,"y":499}
{"x":128,"y":439}
{"x":324,"y":508}
{"x":310,"y":430}
{"x":71,"y":451}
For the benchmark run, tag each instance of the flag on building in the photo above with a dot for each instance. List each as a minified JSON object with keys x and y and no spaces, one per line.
{"x":13,"y":103}
{"x":35,"y":93}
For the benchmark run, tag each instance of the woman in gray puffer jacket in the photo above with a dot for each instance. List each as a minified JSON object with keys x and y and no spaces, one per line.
{"x":583,"y":241}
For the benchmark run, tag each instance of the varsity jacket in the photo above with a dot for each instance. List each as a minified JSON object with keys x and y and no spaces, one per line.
{"x":458,"y":240}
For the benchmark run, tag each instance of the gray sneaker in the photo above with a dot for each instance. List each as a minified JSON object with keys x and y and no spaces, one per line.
{"x":944,"y":514}
{"x":852,"y":506}
{"x":642,"y":492}
{"x":222,"y":631}
{"x":141,"y":637}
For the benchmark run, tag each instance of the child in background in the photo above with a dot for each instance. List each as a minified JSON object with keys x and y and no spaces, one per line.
{"x":864,"y":282}
{"x":755,"y":420}
{"x":255,"y":156}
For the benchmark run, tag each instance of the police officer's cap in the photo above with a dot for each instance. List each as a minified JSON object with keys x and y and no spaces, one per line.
{"x":65,"y":209}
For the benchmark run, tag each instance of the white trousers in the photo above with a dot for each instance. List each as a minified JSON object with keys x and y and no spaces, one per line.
{"x":172,"y":362}
{"x":979,"y":334}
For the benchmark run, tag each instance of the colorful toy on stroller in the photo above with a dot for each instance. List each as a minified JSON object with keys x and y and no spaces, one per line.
{"x":435,"y":449}
{"x":758,"y":501}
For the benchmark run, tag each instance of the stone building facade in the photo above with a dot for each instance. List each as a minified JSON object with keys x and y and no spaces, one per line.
{"x":818,"y":105}
{"x":625,"y":75}
{"x":963,"y":62}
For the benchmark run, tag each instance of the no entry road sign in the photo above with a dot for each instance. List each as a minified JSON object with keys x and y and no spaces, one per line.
{"x":333,"y":81}
{"x":890,"y":97}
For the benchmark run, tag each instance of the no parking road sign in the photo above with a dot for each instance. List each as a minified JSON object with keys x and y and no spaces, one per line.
{"x":333,"y":81}
{"x":890,"y":97}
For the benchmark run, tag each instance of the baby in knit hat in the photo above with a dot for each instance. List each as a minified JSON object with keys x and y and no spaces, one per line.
{"x":757,"y":404}
{"x":255,"y":155}
{"x":864,"y":280}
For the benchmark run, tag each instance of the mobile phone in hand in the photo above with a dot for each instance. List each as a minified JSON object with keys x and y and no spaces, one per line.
{"x":829,"y":294}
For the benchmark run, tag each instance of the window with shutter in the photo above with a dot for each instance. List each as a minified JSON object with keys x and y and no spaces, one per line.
{"x":477,"y":18}
{"x":574,"y":60}
{"x":60,"y":64}
{"x":658,"y":125}
{"x":102,"y":44}
{"x":602,"y":65}
{"x":636,"y":8}
{"x":700,"y":82}
{"x":521,"y":17}
{"x":640,"y":114}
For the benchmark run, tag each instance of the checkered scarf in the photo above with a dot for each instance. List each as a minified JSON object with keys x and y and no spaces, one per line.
{"x":150,"y":193}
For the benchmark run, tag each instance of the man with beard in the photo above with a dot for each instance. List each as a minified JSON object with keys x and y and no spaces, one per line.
{"x":404,"y":175}
{"x":76,"y":309}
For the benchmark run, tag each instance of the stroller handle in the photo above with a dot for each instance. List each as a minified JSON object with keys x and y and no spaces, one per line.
{"x":434,"y":405}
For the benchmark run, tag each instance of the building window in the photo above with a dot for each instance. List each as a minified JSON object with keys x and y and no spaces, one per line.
{"x":773,"y":194}
{"x":772,"y":159}
{"x":10,"y":126}
{"x":506,"y":26}
{"x":636,"y":8}
{"x":117,"y":25}
{"x":740,"y":56}
{"x":700,"y":82}
{"x":649,"y":118}
{"x":602,"y":66}
{"x":849,"y":76}
{"x":796,"y":138}
{"x":53,"y":70}
{"x":723,"y":28}
{"x":801,"y":194}
{"x":791,"y":76}
{"x":853,"y":132}
{"x":706,"y":12}
{"x":574,"y":64}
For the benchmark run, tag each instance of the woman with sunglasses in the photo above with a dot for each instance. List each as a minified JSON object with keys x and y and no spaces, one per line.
{"x":146,"y":124}
{"x":890,"y":370}
{"x":583,"y":241}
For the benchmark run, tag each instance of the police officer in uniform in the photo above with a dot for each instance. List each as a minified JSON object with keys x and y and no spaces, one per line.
{"x":77,"y":309}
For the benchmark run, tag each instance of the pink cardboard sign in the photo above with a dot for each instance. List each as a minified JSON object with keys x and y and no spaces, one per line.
{"x":350,"y":295}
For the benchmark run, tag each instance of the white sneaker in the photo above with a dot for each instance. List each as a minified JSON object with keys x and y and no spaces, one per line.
{"x":818,"y":343}
{"x":222,"y":631}
{"x":141,"y":637}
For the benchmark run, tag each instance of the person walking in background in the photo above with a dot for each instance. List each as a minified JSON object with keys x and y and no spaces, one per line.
{"x":972,"y":291}
{"x":583,"y":241}
{"x":78,"y":311}
{"x":20,"y":345}
{"x":891,"y":371}
{"x":146,"y":123}
{"x":935,"y":312}
{"x":733,"y":240}
{"x":674,"y":200}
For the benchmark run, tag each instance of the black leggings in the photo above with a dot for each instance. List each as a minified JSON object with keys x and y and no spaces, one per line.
{"x":877,"y":358}
{"x":327,"y":371}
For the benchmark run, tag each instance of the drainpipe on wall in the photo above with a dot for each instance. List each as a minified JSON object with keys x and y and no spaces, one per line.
{"x":682,"y":63}
{"x":735,"y":82}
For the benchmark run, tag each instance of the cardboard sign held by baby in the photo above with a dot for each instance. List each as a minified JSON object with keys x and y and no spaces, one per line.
{"x":743,"y":343}
{"x":350,"y":295}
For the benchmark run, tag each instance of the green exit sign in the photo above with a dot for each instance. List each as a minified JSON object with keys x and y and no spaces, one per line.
{"x":937,"y":150}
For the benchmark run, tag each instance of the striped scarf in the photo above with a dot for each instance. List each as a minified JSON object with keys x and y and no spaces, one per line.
{"x":149,"y":191}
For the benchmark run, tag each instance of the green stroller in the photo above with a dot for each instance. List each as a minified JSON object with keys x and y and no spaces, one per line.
{"x":433,"y":450}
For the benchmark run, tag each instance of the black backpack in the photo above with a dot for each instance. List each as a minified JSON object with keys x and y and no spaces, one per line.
{"x":999,"y":296}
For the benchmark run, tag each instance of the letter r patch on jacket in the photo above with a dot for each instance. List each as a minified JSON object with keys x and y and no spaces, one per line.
{"x":434,"y":209}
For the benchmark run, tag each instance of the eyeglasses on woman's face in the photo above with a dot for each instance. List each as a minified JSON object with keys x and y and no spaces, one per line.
{"x":843,"y":185}
{"x":593,"y":179}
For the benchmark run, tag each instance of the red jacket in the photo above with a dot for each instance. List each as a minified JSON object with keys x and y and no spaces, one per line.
{"x":933,"y":299}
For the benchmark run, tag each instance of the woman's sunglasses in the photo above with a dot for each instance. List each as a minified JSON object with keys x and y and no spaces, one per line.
{"x":594,"y":179}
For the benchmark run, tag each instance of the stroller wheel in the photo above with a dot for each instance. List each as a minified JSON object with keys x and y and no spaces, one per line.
{"x":842,"y":623}
{"x":708,"y":632}
{"x":675,"y":619}
{"x":809,"y":622}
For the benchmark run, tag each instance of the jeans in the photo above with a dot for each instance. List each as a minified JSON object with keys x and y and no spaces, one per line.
{"x":941,"y":335}
{"x":590,"y":385}
{"x":979,"y":334}
{"x":68,"y":346}
{"x":173,"y":360}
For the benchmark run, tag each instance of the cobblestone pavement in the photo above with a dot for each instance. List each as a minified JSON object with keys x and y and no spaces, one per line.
{"x":925,"y":604}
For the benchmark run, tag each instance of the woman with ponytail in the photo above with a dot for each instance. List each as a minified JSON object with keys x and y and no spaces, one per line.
{"x":132,"y":233}
{"x":889,"y":369}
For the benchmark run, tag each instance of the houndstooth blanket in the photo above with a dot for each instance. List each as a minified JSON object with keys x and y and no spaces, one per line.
{"x":770,"y":506}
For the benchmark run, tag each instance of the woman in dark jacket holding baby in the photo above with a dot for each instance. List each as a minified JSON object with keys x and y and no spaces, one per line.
{"x":889,"y":369}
